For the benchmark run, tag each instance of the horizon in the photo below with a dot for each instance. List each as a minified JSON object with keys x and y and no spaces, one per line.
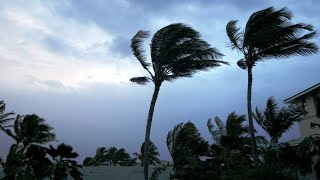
{"x":70,"y":63}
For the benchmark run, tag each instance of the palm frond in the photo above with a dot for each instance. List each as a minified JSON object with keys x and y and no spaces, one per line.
{"x":221,"y":126}
{"x":264,"y":21}
{"x":140,"y":80}
{"x":136,"y":46}
{"x":234,"y":36}
{"x":215,"y":133}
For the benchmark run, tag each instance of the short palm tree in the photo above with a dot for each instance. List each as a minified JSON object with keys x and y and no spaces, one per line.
{"x":88,"y":161}
{"x":64,"y":163}
{"x":268,"y":34}
{"x":112,"y":155}
{"x":153,"y":154}
{"x":101,"y":156}
{"x":5,"y":118}
{"x":31,"y":129}
{"x":186,"y":147}
{"x":276,"y":121}
{"x":176,"y":51}
{"x":231,"y":137}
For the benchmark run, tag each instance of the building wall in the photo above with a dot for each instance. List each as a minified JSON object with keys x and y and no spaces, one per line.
{"x":311,"y":117}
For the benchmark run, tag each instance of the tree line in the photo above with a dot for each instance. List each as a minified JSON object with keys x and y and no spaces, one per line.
{"x":177,"y":51}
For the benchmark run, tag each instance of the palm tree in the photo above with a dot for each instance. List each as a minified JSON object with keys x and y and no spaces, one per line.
{"x":88,"y":161}
{"x":4,"y":117}
{"x":31,"y":129}
{"x":101,"y":156}
{"x":186,"y":146}
{"x":64,"y":163}
{"x":153,"y":154}
{"x":276,"y":121}
{"x":176,"y":51}
{"x":268,"y":34}
{"x":231,"y":138}
{"x":112,"y":155}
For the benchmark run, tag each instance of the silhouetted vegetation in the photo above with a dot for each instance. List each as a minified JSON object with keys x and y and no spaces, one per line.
{"x":111,"y":156}
{"x":176,"y":51}
{"x":233,"y":152}
{"x":28,"y":156}
{"x":268,"y":34}
{"x":153,"y":154}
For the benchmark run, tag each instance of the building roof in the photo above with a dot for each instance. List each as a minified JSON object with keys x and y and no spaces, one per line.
{"x":290,"y":99}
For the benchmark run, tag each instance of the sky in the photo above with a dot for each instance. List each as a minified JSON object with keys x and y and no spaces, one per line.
{"x":70,"y":63}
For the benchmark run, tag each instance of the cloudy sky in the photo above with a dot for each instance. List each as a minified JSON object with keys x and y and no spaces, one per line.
{"x":70,"y":63}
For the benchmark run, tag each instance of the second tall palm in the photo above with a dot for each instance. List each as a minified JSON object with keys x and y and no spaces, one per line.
{"x":176,"y":51}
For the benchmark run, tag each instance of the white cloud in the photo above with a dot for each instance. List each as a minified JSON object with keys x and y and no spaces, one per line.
{"x":24,"y":52}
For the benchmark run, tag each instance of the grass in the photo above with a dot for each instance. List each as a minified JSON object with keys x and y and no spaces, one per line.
{"x":115,"y":173}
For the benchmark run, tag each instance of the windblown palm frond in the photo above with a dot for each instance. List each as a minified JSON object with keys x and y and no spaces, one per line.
{"x":171,"y":137}
{"x":136,"y":46}
{"x":234,"y":36}
{"x":140,"y":80}
{"x":5,"y":118}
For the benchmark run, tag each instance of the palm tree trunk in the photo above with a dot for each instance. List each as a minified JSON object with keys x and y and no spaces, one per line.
{"x":251,"y":128}
{"x":148,"y":129}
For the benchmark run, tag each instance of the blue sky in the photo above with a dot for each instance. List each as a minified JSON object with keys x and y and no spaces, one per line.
{"x":70,"y":63}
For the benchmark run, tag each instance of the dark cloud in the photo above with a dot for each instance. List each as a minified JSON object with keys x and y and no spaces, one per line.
{"x":121,"y":45}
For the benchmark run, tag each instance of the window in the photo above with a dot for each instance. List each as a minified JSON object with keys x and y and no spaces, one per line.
{"x":316,"y":100}
{"x":304,"y":107}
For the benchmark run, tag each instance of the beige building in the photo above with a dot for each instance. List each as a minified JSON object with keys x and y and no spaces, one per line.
{"x":309,"y":99}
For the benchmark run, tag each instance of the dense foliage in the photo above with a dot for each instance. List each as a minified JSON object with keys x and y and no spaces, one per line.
{"x":111,"y":156}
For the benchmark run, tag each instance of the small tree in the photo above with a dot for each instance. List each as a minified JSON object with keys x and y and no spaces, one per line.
{"x":277,"y":121}
{"x":64,"y":163}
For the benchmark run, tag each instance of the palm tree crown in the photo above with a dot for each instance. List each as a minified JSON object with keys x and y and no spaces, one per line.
{"x":270,"y":34}
{"x":31,"y":129}
{"x":176,"y":51}
{"x":276,"y":121}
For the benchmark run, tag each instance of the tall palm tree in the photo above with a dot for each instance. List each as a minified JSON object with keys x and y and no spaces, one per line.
{"x":276,"y":121}
{"x":268,"y":34}
{"x":176,"y":51}
{"x":4,"y":117}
